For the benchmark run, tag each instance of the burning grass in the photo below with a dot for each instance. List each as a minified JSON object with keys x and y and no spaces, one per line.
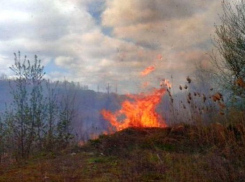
{"x":139,"y":112}
{"x":148,"y":70}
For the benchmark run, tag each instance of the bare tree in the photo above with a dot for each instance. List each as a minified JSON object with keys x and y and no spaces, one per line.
{"x":27,"y":103}
{"x":230,"y":44}
{"x":2,"y":140}
{"x":36,"y":121}
{"x":51,"y":113}
{"x":67,"y":113}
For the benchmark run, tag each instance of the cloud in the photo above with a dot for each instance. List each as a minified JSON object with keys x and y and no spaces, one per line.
{"x":180,"y":31}
{"x":129,"y":12}
{"x":70,"y":35}
{"x":3,"y":65}
{"x":47,"y":28}
{"x":185,"y":23}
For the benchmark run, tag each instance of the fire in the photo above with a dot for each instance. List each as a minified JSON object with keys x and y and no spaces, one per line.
{"x":148,"y":70}
{"x":137,"y":112}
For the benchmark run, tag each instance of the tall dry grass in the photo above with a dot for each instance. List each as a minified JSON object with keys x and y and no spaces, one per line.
{"x":213,"y":122}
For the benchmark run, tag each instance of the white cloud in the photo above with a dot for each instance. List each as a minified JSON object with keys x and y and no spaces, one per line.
{"x":14,"y":16}
{"x":69,"y":34}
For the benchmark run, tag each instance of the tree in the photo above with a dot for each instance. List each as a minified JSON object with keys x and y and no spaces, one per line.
{"x":2,"y":140}
{"x":28,"y":104}
{"x":230,"y":44}
{"x":67,"y":113}
{"x":36,"y":120}
{"x":51,"y":114}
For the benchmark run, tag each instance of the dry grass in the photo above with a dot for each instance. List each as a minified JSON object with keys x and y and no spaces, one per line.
{"x":205,"y":150}
{"x":181,"y":153}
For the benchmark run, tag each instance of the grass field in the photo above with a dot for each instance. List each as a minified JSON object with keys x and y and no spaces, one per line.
{"x":180,"y":153}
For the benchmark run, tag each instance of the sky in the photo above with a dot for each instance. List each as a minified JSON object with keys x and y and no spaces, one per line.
{"x":101,"y":42}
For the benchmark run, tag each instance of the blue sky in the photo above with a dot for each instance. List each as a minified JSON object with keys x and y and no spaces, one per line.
{"x":96,"y":42}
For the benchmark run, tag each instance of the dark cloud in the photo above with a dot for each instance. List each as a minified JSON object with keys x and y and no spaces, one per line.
{"x":144,"y":11}
{"x":166,"y":10}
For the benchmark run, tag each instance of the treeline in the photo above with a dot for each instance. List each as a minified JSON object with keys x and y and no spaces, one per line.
{"x":39,"y":117}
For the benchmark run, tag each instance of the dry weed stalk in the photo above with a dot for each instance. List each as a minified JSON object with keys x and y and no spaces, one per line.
{"x":240,"y":82}
{"x":217,"y":97}
{"x":188,"y":79}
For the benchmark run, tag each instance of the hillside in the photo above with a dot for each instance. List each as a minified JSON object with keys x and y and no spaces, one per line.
{"x":180,"y":153}
{"x":88,"y":104}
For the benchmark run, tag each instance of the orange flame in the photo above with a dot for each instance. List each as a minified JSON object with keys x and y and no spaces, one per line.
{"x":147,"y":71}
{"x":140,"y":112}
